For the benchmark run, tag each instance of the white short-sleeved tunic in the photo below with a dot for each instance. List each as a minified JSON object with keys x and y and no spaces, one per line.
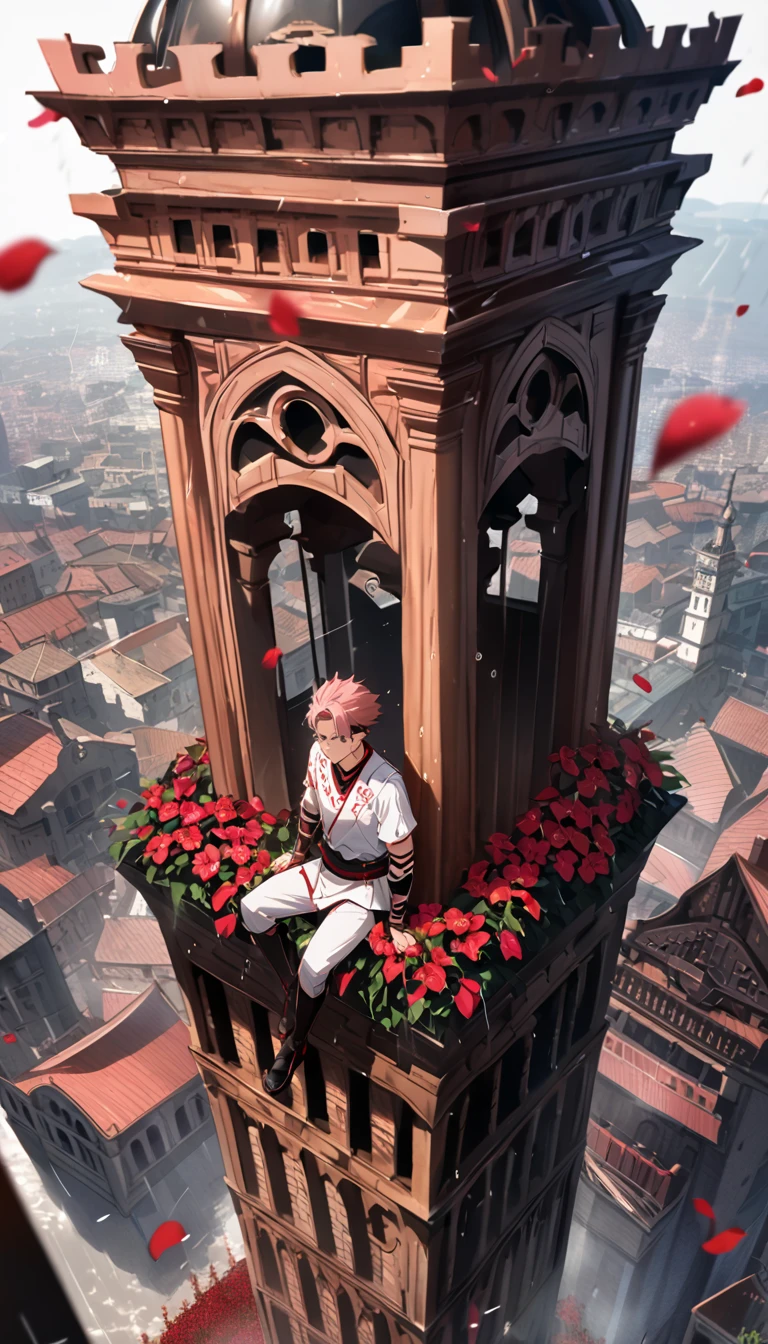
{"x":359,"y":825}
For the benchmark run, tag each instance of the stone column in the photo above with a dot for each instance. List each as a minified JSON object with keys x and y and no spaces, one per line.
{"x":164,"y":362}
{"x":438,"y":551}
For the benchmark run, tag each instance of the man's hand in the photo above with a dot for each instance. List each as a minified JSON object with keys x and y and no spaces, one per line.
{"x":283,"y":861}
{"x":401,"y":939}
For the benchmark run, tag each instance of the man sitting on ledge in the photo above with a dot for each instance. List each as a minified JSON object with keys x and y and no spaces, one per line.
{"x":356,"y":805}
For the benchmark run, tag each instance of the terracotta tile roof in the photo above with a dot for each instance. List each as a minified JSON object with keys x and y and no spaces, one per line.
{"x":711,"y":779}
{"x":127,"y":540}
{"x":63,"y":542}
{"x":646,"y":649}
{"x":668,"y":489}
{"x":739,"y":837}
{"x":756,"y":881}
{"x":113,"y":1001}
{"x":132,"y":941}
{"x":693,"y":511}
{"x":13,"y":932}
{"x":669,"y":872}
{"x":123,"y":1070}
{"x":79,"y":579}
{"x":156,"y":748}
{"x":29,"y":754}
{"x":744,"y":724}
{"x":141,"y":576}
{"x":35,"y":880}
{"x":130,"y":676}
{"x":14,"y":539}
{"x":53,"y":617}
{"x":635,"y":577}
{"x":669,"y":530}
{"x":649,"y":1080}
{"x":38,"y":662}
{"x":112,"y":556}
{"x":640,"y":532}
{"x":166,"y":652}
{"x":10,"y":560}
{"x":114,"y":579}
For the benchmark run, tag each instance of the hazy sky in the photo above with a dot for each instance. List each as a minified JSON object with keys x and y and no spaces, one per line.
{"x":38,"y":168}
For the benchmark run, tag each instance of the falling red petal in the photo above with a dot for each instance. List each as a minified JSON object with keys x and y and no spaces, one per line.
{"x":490,"y":75}
{"x":19,"y":262}
{"x":345,"y":978}
{"x":10,"y":1038}
{"x":43,"y":118}
{"x":742,"y":309}
{"x":284,"y":316}
{"x":271,"y":658}
{"x":524,"y":54}
{"x":473,"y":227}
{"x":754,"y":86}
{"x":166,"y":1235}
{"x":693,"y":422}
{"x":473,"y":1320}
{"x":225,"y":926}
{"x":724,"y":1241}
{"x":704,"y":1206}
{"x":121,"y":802}
{"x":642,"y":682}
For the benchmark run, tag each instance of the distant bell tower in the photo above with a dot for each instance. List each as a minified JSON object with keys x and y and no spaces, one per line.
{"x":704,"y":617}
{"x":417,"y":475}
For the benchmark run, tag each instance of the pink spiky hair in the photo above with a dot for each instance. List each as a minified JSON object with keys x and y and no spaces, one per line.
{"x":347,"y":702}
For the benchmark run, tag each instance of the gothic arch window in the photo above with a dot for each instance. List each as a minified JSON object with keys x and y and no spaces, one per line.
{"x":182,"y":1121}
{"x":347,"y":1321}
{"x":310,"y":1294}
{"x":535,"y":486}
{"x":138,"y":1153}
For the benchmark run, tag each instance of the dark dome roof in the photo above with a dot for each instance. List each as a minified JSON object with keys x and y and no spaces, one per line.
{"x":241,"y":24}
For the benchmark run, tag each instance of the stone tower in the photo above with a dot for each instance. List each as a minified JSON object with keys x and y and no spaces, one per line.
{"x":471,"y":218}
{"x":716,"y":565}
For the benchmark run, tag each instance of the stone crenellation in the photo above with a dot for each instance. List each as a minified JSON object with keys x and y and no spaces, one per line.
{"x":445,"y":60}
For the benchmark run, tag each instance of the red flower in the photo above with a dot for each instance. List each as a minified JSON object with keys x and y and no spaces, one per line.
{"x":475,"y":885}
{"x":499,"y":890}
{"x":168,"y":811}
{"x":224,"y":893}
{"x":468,"y":997}
{"x":603,"y":840}
{"x":380,"y":945}
{"x":604,"y":812}
{"x":253,"y":831}
{"x":530,"y":821}
{"x":555,"y":834}
{"x":232,"y":834}
{"x":565,"y":863}
{"x":268,"y":819}
{"x":157,"y":848}
{"x":499,"y":846}
{"x":535,"y":851}
{"x":263,"y":860}
{"x":189,"y":837}
{"x":183,"y":762}
{"x":529,"y":874}
{"x":244,"y":875}
{"x":224,"y":810}
{"x":653,"y":771}
{"x":345,"y":978}
{"x":594,"y":864}
{"x":625,"y":808}
{"x":470,"y":946}
{"x":432,"y":976}
{"x":589,"y":751}
{"x":573,"y":808}
{"x":191,"y":813}
{"x":417,"y":994}
{"x":579,"y":841}
{"x":510,"y":945}
{"x":593,"y":780}
{"x":632,"y":774}
{"x":530,"y":903}
{"x":207,"y":863}
{"x":153,"y":795}
{"x":460,"y":923}
{"x":226,"y":925}
{"x":183,"y":787}
{"x":547,"y":794}
{"x":608,"y":759}
{"x":393,"y":965}
{"x":566,"y":758}
{"x":144,"y":831}
{"x":440,"y":957}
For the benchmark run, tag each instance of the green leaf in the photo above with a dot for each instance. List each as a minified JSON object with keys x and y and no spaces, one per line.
{"x":116,"y":851}
{"x":267,"y":828}
{"x":397,"y":1016}
{"x":205,"y":798}
{"x":152,"y":869}
{"x":168,"y":795}
{"x":198,"y":893}
{"x":481,"y":908}
{"x":283,"y":834}
{"x":416,"y":1009}
{"x":177,"y":894}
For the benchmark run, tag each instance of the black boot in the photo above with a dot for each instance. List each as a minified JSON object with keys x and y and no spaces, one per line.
{"x":282,"y":956}
{"x":293,"y":1050}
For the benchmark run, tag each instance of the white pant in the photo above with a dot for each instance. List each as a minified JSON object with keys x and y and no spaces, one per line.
{"x":292,"y":893}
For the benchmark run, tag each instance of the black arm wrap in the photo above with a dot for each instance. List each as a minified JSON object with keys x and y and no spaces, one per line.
{"x":400,"y":879}
{"x":309,"y":821}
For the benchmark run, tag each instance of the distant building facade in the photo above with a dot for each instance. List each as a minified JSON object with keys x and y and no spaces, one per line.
{"x":120,"y":1107}
{"x":37,"y":1010}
